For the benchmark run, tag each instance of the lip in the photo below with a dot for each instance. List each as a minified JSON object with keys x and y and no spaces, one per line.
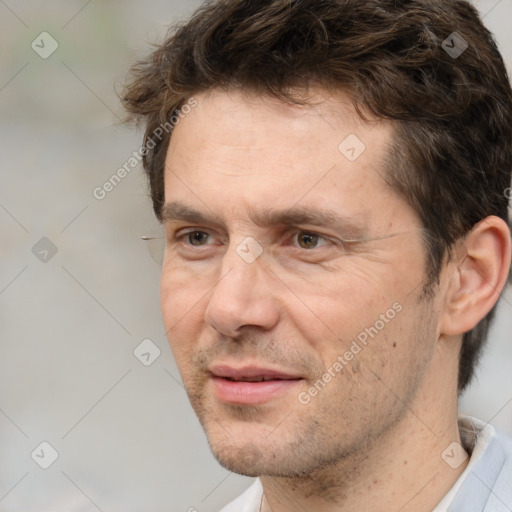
{"x":226,"y":371}
{"x":250,"y":393}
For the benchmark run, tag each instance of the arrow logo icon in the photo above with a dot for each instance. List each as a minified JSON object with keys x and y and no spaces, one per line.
{"x":44,"y":45}
{"x":44,"y":455}
{"x":249,"y":249}
{"x":44,"y":250}
{"x":454,"y":45}
{"x":146,"y":352}
{"x":454,"y":455}
{"x":352,"y":147}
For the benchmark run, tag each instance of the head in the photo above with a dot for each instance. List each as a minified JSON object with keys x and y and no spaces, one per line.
{"x":267,"y":98}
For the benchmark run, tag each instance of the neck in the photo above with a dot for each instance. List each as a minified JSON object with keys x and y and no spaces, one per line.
{"x":403,"y":470}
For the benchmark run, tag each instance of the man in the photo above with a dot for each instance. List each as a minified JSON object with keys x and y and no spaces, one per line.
{"x":333,"y":187}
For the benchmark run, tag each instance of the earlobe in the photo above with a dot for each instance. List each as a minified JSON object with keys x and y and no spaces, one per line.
{"x":476,"y":276}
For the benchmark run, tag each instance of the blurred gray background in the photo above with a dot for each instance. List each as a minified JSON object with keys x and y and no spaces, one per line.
{"x":79,"y":290}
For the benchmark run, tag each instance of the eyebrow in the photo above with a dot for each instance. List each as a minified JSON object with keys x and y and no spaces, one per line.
{"x":351,"y":230}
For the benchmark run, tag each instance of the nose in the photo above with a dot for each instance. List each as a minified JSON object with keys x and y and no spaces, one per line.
{"x":243,"y":296}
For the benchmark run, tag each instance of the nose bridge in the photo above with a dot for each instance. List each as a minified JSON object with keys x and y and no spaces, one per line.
{"x":237,"y":272}
{"x":242,"y":294}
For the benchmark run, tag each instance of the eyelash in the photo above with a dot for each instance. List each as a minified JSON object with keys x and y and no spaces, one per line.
{"x":181,"y":238}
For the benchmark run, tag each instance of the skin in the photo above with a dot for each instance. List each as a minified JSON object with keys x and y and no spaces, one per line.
{"x":372,"y":438}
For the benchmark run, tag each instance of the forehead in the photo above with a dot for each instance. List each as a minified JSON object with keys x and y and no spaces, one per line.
{"x":243,"y":119}
{"x":237,"y":150}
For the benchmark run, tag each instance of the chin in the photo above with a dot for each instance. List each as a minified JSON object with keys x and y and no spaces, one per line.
{"x":247,"y":460}
{"x":250,"y":460}
{"x":241,"y":467}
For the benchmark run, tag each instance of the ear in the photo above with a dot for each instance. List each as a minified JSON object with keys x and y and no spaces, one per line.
{"x":477,"y":276}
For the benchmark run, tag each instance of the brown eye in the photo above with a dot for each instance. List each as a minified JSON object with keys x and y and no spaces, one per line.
{"x":308,"y":240}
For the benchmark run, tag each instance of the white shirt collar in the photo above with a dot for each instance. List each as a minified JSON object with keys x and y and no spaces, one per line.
{"x":475,"y":436}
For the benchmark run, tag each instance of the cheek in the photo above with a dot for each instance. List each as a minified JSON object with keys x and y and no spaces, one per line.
{"x":337,"y":307}
{"x":180,"y":290}
{"x":365,"y":321}
{"x":170,"y":302}
{"x":182,"y":308}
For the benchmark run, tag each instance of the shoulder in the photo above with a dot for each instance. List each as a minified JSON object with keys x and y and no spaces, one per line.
{"x":503,"y":444}
{"x":249,"y":501}
{"x":490,"y":477}
{"x":505,"y":440}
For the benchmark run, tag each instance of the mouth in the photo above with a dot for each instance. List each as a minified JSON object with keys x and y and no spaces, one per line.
{"x":252,"y":379}
{"x":251,"y":385}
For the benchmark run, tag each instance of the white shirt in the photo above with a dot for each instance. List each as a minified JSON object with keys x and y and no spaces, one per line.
{"x":484,"y":486}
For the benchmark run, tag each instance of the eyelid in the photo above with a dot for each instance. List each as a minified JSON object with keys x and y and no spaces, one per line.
{"x":181,"y":234}
{"x":288,"y":233}
{"x":325,"y":238}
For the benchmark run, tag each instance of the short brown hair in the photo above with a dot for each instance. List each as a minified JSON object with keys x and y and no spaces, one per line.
{"x":402,"y":60}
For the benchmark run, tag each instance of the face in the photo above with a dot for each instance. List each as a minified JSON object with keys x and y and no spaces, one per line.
{"x":292,"y":281}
